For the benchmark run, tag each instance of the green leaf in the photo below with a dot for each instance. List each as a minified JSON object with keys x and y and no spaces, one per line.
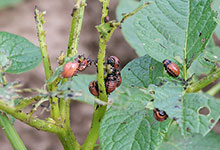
{"x":205,"y":63}
{"x":128,"y":30}
{"x":175,"y":141}
{"x":216,"y":6}
{"x":6,"y":3}
{"x":184,"y":108}
{"x":8,"y":93}
{"x":133,"y":128}
{"x":137,"y":75}
{"x":77,"y":89}
{"x":142,"y":72}
{"x":175,"y":30}
{"x":23,"y":55}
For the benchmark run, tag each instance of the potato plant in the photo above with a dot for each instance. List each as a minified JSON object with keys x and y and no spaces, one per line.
{"x":179,"y":31}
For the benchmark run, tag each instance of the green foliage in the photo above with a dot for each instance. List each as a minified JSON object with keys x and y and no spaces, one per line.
{"x":166,"y":29}
{"x":184,"y":108}
{"x":128,"y":29}
{"x":7,"y":3}
{"x":176,"y":30}
{"x":216,"y":6}
{"x":174,"y":140}
{"x":22,"y":54}
{"x":132,"y":128}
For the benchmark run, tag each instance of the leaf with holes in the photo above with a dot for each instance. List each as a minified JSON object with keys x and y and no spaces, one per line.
{"x":131,"y":128}
{"x":185,"y":108}
{"x":128,"y":30}
{"x":174,"y":140}
{"x":175,"y":30}
{"x":23,"y":55}
{"x":137,"y":75}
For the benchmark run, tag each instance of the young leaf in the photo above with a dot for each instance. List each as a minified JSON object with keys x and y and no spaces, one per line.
{"x":132,"y":128}
{"x":175,"y":30}
{"x":23,"y":55}
{"x":185,"y":108}
{"x":174,"y":140}
{"x":128,"y":30}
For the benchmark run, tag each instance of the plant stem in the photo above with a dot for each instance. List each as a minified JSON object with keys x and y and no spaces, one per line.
{"x":94,"y":130}
{"x":39,"y":17}
{"x":11,"y":133}
{"x":214,"y":90}
{"x":99,"y":113}
{"x":203,"y":82}
{"x":34,"y":122}
{"x":104,"y":38}
{"x":24,"y":103}
{"x":78,"y":13}
{"x":68,"y":141}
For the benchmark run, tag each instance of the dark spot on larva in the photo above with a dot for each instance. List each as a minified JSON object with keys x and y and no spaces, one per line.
{"x":33,"y":106}
{"x":204,"y":111}
{"x":107,"y":7}
{"x":109,"y":31}
{"x":69,"y":89}
{"x":61,"y":126}
{"x":212,"y":120}
{"x":152,"y":100}
{"x":101,"y":91}
{"x":124,"y":122}
{"x":200,"y":34}
{"x":152,"y":67}
{"x":43,"y":57}
{"x":188,"y":129}
{"x":99,"y":120}
{"x":180,"y":100}
{"x":19,"y":111}
{"x":132,"y":85}
{"x":129,"y":69}
{"x":64,"y":121}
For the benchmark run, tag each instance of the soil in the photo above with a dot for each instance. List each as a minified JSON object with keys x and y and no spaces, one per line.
{"x":19,"y":20}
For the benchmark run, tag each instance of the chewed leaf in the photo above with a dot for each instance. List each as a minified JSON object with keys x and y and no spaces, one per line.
{"x":185,"y":108}
{"x":131,"y":128}
{"x":175,"y":30}
{"x":174,"y":139}
{"x":23,"y":55}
